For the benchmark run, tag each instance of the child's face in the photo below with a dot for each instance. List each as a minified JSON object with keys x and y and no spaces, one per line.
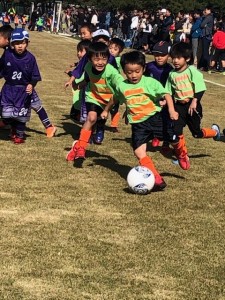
{"x":114,"y":50}
{"x":85,"y":34}
{"x":99,"y":62}
{"x":3,"y":41}
{"x":161,"y":59}
{"x":81,"y":53}
{"x":20,"y":46}
{"x":133,"y":72}
{"x":180,"y":63}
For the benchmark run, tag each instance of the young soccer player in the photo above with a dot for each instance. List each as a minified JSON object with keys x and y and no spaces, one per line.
{"x":103,"y":36}
{"x":36,"y":105}
{"x":78,"y":110}
{"x":160,"y":69}
{"x":116,"y":47}
{"x":142,"y":96}
{"x":186,"y":85}
{"x":19,"y":69}
{"x":100,"y":81}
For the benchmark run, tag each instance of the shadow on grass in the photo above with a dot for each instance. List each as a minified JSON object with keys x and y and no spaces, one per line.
{"x":28,"y":129}
{"x":72,"y":129}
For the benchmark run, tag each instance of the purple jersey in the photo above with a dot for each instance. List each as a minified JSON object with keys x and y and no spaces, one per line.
{"x":79,"y":70}
{"x":18,"y":71}
{"x":159,"y":73}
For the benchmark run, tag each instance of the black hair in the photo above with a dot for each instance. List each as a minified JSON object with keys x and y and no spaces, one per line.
{"x":6,"y":31}
{"x":84,"y":44}
{"x":198,"y":12}
{"x":209,"y":6}
{"x":98,"y":49}
{"x":133,"y":57}
{"x":118,"y":42}
{"x":90,"y":27}
{"x":184,"y":50}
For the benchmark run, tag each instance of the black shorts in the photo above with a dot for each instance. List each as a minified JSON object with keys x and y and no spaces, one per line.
{"x":218,"y":54}
{"x":193,"y":122}
{"x":145,"y":131}
{"x":94,"y":107}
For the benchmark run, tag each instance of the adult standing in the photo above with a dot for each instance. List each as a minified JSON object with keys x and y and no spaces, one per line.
{"x":166,"y":22}
{"x":207,"y":33}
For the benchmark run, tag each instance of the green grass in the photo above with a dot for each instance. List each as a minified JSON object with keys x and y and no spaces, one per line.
{"x":77,"y":233}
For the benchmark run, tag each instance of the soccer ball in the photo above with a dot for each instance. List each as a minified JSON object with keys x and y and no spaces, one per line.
{"x":140,"y":180}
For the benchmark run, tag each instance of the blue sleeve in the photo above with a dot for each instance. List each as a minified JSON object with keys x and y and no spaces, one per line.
{"x":79,"y":70}
{"x":112,"y":61}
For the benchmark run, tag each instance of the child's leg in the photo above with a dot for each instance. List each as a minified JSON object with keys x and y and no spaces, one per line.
{"x":19,"y":132}
{"x":100,"y":131}
{"x":42,"y":114}
{"x":141,"y":134}
{"x":79,"y":147}
{"x":179,"y":143}
{"x":194,"y":125}
{"x":115,"y":116}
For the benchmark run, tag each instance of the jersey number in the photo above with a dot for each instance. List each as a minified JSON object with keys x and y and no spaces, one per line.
{"x":17,"y":75}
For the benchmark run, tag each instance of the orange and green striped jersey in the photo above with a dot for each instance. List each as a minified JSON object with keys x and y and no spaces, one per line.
{"x":101,"y":87}
{"x":183,"y":85}
{"x":141,"y":99}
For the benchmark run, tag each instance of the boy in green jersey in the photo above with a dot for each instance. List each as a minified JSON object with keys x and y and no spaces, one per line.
{"x":142,"y":96}
{"x":186,"y":85}
{"x":100,"y":80}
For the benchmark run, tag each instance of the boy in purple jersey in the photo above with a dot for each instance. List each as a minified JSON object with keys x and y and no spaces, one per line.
{"x":5,"y":33}
{"x":159,"y":69}
{"x":19,"y":69}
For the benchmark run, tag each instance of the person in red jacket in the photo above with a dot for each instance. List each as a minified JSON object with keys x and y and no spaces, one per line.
{"x":218,"y":44}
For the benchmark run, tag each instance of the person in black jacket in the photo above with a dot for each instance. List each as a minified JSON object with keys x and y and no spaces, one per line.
{"x":207,"y":33}
{"x":166,"y":22}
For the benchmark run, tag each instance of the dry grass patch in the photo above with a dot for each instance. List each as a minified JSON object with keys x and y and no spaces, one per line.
{"x":77,"y":233}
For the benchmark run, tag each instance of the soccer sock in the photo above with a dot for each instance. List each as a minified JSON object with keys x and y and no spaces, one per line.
{"x":180,"y":147}
{"x":148,"y":163}
{"x":209,"y":133}
{"x":20,"y":128}
{"x":115,"y":119}
{"x":84,"y":138}
{"x":42,"y":114}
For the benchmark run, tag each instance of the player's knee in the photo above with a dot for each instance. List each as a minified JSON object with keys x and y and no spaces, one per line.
{"x":198,"y":134}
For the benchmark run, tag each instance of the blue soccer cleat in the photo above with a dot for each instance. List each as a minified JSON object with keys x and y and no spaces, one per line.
{"x":99,"y":136}
{"x":217,"y":128}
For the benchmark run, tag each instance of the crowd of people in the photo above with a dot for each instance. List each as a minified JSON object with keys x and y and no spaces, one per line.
{"x":160,"y":98}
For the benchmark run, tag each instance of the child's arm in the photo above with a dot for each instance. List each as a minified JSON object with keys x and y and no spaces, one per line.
{"x":169,"y":102}
{"x":105,"y":113}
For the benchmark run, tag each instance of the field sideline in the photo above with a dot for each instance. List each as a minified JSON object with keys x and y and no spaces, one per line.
{"x":70,"y":233}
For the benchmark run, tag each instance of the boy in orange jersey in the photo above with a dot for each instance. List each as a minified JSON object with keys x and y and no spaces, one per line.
{"x":186,"y":85}
{"x":142,"y":96}
{"x":101,"y":79}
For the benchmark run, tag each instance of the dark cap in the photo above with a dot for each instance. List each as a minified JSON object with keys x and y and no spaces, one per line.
{"x":161,"y":47}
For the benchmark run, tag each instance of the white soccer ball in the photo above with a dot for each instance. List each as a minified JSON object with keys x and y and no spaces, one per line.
{"x":140,"y":180}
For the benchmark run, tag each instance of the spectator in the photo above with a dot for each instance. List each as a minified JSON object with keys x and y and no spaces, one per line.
{"x":207,"y":32}
{"x":196,"y":32}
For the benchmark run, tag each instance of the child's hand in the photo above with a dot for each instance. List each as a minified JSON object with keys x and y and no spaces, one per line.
{"x":68,"y":83}
{"x":29,"y":89}
{"x":174,"y":115}
{"x":162,"y":103}
{"x":104,"y":115}
{"x":192,"y":107}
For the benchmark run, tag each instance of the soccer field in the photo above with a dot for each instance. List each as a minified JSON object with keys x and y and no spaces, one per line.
{"x":74,"y":233}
